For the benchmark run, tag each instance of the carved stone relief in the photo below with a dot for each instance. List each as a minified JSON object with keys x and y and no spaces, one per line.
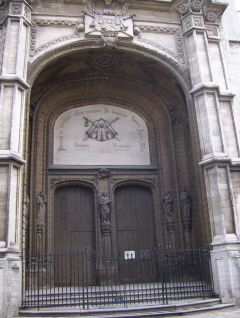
{"x":196,"y":5}
{"x":210,"y":16}
{"x":183,"y":8}
{"x":103,"y":173}
{"x":100,"y":135}
{"x":105,"y":61}
{"x":101,"y":129}
{"x":198,"y":21}
{"x":212,"y":32}
{"x":76,"y":26}
{"x":16,"y":9}
{"x":109,"y":25}
{"x":162,"y":29}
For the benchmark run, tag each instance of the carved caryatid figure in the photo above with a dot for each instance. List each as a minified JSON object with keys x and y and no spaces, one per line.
{"x":105,"y":211}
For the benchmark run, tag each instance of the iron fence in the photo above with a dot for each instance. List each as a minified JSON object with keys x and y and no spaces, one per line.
{"x":87,"y":279}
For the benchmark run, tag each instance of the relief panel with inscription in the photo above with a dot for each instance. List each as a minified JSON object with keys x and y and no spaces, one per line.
{"x":100,"y":135}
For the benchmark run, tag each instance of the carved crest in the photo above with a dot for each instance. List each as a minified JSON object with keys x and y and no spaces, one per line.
{"x":100,"y":129}
{"x":109,"y":25}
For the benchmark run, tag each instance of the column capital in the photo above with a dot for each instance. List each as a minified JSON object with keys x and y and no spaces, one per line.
{"x":211,"y":10}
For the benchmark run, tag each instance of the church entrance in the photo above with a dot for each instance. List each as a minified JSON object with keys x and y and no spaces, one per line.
{"x":121,"y":133}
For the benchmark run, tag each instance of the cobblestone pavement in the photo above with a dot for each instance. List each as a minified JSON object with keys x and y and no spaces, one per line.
{"x":231,"y":312}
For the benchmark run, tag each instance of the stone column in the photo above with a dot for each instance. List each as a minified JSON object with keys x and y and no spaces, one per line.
{"x":218,"y":137}
{"x":15,"y":37}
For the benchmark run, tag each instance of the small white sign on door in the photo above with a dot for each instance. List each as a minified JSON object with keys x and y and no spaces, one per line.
{"x":129,"y":254}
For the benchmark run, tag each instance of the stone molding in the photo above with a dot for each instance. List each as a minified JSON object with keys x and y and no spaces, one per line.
{"x":15,"y":79}
{"x":7,"y":156}
{"x":2,"y":2}
{"x":75,"y":25}
{"x":163,"y":29}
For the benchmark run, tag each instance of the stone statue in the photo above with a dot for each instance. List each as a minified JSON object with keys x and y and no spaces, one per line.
{"x":105,"y":208}
{"x":186,"y":208}
{"x":168,"y":205}
{"x":41,"y":200}
{"x":168,"y":209}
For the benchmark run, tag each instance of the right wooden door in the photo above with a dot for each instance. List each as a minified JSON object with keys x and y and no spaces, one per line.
{"x":135,"y":232}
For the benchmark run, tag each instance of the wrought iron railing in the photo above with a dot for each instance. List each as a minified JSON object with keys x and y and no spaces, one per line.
{"x":87,"y":279}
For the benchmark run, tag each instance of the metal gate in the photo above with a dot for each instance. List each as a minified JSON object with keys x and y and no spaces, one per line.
{"x":94,"y":279}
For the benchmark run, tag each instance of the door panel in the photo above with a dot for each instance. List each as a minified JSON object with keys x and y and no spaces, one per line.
{"x":135,"y":232}
{"x":73,"y":234}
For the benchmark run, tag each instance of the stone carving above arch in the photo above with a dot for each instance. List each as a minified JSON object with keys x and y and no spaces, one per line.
{"x":69,"y":29}
{"x":100,"y":135}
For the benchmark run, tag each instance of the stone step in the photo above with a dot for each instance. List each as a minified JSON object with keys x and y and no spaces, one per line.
{"x":120,"y":311}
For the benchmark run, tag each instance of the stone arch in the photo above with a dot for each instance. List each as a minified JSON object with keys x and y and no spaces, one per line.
{"x":156,"y":105}
{"x":43,"y":59}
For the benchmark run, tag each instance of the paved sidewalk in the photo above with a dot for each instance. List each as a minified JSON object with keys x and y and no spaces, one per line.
{"x":232,"y":312}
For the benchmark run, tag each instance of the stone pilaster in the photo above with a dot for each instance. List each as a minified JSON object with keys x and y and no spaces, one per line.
{"x":218,"y":137}
{"x":14,"y":31}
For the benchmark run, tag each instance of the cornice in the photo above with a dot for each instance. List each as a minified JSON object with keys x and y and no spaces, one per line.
{"x":6,"y":156}
{"x":2,"y":2}
{"x":15,"y":79}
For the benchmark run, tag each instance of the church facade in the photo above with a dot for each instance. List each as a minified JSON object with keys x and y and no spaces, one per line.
{"x":119,"y":132}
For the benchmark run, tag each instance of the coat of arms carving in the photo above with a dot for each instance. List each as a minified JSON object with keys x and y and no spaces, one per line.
{"x":108,"y":25}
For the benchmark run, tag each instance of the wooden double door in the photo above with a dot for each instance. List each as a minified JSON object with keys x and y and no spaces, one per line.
{"x":74,"y":228}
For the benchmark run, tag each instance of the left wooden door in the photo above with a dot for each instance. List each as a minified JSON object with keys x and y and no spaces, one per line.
{"x":74,"y":235}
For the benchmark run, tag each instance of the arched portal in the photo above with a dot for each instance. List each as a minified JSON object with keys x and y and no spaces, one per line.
{"x":102,"y":125}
